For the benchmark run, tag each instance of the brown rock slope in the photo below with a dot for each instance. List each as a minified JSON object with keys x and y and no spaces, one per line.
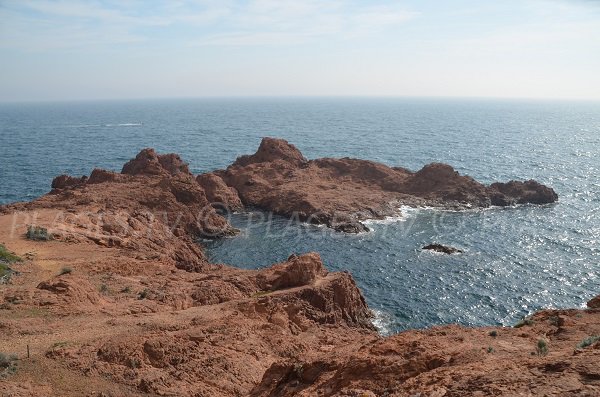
{"x":122,"y":302}
{"x":342,"y":192}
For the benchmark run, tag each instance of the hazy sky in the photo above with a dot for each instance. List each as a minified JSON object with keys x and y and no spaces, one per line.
{"x":137,"y":49}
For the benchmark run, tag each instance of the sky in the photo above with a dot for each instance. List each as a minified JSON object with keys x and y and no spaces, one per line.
{"x":85,"y":50}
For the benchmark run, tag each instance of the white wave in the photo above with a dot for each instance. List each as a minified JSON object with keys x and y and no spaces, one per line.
{"x":124,"y":125}
{"x":382,"y":321}
{"x":404,"y":212}
{"x":83,"y":125}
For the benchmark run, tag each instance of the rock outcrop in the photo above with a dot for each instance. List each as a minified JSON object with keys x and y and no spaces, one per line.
{"x":515,"y":192}
{"x":442,"y":248}
{"x":155,"y":206}
{"x":148,"y":162}
{"x":221,"y":196}
{"x":341,"y":193}
{"x":594,"y":303}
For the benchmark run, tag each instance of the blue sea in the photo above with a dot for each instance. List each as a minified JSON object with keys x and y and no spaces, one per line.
{"x":516,"y":260}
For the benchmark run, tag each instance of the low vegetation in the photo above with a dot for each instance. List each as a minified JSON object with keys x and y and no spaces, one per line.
{"x":8,"y":257}
{"x":143,"y":294}
{"x":588,"y":341}
{"x":65,"y":270}
{"x":38,"y":233}
{"x":4,"y":271}
{"x":8,"y":365}
{"x":525,"y":321}
{"x":554,"y":320}
{"x":541,"y":348}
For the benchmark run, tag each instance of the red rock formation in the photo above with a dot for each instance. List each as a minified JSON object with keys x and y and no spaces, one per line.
{"x":148,"y":162}
{"x":66,"y":181}
{"x":342,"y":192}
{"x":272,"y":149}
{"x":453,"y":361}
{"x":221,"y":196}
{"x":515,"y":192}
{"x":155,"y":196}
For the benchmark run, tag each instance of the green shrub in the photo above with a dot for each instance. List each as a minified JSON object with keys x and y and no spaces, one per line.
{"x":4,"y":270}
{"x":143,"y":294}
{"x":104,"y":289}
{"x":541,"y":348}
{"x":65,"y":270}
{"x":490,"y":349}
{"x":7,"y":257}
{"x":135,"y":362}
{"x":38,"y":233}
{"x":588,"y":341}
{"x":525,"y":321}
{"x":8,"y":365}
{"x":493,"y":333}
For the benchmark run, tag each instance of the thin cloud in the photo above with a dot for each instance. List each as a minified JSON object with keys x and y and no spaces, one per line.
{"x":36,"y":25}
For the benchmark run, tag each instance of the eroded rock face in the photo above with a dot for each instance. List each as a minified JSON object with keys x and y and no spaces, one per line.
{"x":340,"y":193}
{"x":295,"y":272}
{"x":221,"y":196}
{"x":71,"y":291}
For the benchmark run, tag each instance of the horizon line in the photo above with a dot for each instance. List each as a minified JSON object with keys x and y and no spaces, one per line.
{"x":317,"y":96}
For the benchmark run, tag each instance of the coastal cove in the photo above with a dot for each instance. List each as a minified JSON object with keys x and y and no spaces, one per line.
{"x":516,"y":260}
{"x":115,"y":279}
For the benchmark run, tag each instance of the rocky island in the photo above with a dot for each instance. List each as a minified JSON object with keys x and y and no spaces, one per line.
{"x":110,"y":294}
{"x":341,"y":193}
